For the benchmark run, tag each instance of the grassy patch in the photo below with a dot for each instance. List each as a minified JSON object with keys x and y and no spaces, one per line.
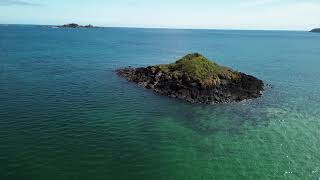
{"x":198,"y":66}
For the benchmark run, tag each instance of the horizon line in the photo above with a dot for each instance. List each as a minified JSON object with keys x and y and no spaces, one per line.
{"x":162,"y":27}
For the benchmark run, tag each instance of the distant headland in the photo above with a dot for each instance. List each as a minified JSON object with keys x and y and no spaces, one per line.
{"x":196,"y":79}
{"x":74,"y":25}
{"x":317,"y":30}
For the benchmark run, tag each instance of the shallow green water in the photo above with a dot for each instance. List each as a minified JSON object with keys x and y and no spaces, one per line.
{"x":64,"y":114}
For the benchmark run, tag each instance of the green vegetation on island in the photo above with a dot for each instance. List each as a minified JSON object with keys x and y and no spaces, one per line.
{"x":198,"y":66}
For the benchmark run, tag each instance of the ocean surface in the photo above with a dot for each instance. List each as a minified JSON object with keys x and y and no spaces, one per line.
{"x":65,"y":115}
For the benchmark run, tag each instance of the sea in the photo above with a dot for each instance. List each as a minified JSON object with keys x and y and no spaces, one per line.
{"x":66,"y":115}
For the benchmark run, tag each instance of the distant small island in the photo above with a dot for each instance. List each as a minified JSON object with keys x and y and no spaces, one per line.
{"x":196,"y":79}
{"x":74,"y":25}
{"x":317,"y":30}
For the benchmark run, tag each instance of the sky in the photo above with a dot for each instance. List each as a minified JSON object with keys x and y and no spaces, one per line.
{"x":198,"y":14}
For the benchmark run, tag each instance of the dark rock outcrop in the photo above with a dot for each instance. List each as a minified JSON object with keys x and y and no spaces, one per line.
{"x":317,"y":30}
{"x":227,"y":85}
{"x":74,"y":25}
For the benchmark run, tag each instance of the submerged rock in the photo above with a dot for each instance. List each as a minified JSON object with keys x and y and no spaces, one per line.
{"x":196,"y":79}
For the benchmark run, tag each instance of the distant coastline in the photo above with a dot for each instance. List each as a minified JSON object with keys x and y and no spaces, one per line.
{"x":316,"y":30}
{"x":74,"y":25}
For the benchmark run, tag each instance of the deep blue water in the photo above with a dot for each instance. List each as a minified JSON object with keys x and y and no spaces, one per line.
{"x":64,"y":114}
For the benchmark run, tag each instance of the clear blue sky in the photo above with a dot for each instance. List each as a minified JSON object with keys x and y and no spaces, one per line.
{"x":216,"y":14}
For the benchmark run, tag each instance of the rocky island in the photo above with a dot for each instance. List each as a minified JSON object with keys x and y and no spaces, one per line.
{"x":316,"y":30}
{"x":196,"y":79}
{"x":74,"y":25}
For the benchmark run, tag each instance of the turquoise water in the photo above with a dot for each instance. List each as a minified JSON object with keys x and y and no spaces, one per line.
{"x":64,"y":114}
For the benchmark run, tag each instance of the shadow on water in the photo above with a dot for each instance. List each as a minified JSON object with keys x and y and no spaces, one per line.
{"x":207,"y":120}
{"x":232,"y":118}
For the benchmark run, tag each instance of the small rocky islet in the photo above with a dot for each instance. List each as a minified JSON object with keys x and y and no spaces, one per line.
{"x":316,"y":30}
{"x":196,"y":79}
{"x":74,"y":25}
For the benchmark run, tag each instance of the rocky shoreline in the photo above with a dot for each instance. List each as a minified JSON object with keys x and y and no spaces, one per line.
{"x":226,"y":87}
